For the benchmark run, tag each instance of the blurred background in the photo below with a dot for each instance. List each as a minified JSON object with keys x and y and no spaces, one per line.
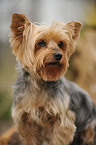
{"x":82,"y":68}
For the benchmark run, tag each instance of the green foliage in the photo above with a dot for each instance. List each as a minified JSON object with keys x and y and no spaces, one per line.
{"x":5,"y":106}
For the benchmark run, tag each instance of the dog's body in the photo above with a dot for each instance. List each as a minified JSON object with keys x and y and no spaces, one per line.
{"x":68,"y":97}
{"x":48,"y":109}
{"x":85,"y":111}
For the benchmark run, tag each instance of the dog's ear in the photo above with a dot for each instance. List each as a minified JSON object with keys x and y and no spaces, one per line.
{"x":19,"y":23}
{"x":74,"y":28}
{"x":73,"y":31}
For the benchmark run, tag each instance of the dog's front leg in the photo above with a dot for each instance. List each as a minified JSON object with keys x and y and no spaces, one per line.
{"x":28,"y":130}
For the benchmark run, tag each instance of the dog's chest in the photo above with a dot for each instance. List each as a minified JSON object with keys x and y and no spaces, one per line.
{"x":44,"y":123}
{"x":48,"y":116}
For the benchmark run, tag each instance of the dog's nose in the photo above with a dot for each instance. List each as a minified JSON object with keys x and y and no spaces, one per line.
{"x":57,"y":56}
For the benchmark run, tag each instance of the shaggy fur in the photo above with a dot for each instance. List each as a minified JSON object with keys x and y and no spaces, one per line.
{"x":48,"y":109}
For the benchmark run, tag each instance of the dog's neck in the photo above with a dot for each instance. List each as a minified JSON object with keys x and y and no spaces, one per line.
{"x":50,"y":84}
{"x":40,"y":82}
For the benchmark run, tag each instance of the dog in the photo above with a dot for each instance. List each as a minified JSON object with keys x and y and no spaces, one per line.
{"x":48,"y":109}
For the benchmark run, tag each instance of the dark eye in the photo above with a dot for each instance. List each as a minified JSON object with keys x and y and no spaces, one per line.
{"x":42,"y":43}
{"x":60,"y":44}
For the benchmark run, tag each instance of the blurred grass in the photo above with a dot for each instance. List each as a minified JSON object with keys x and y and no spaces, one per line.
{"x":7,"y":77}
{"x":5,"y":106}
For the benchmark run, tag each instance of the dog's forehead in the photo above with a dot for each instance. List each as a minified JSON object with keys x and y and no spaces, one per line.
{"x":54,"y":27}
{"x":53,"y":31}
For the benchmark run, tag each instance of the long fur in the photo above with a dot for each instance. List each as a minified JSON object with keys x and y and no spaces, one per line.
{"x":47,"y":106}
{"x":61,"y":101}
{"x":48,"y":109}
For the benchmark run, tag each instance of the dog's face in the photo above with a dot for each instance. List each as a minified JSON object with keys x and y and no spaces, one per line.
{"x":43,"y":50}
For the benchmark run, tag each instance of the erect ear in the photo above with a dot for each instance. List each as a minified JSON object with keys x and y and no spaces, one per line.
{"x":18,"y":26}
{"x":74,"y":28}
{"x":73,"y":31}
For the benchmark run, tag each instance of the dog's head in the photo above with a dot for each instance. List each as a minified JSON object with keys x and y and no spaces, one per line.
{"x":43,"y":50}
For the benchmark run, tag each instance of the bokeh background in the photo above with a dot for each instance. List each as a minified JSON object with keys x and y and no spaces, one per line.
{"x":82,"y":68}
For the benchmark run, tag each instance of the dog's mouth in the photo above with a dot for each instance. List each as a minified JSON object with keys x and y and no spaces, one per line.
{"x":53,"y":63}
{"x":52,"y":70}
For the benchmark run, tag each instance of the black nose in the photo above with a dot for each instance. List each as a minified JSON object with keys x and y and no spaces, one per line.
{"x":57,"y":56}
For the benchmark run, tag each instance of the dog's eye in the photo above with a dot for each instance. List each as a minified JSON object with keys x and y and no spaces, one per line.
{"x":42,"y":43}
{"x":60,"y":44}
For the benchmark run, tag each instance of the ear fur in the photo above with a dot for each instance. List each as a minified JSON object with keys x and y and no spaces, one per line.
{"x":72,"y":29}
{"x":19,"y":22}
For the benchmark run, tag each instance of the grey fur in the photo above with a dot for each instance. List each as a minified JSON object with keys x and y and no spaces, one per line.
{"x":80,"y":101}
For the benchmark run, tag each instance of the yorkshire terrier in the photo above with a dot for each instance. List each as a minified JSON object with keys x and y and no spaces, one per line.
{"x":47,"y":108}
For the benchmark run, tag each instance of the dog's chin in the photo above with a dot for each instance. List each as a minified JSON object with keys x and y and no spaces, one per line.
{"x":52,"y":71}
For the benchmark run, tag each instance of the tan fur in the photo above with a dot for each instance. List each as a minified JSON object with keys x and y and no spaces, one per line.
{"x":43,"y":119}
{"x":88,"y":135}
{"x":60,"y":129}
{"x":26,"y":35}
